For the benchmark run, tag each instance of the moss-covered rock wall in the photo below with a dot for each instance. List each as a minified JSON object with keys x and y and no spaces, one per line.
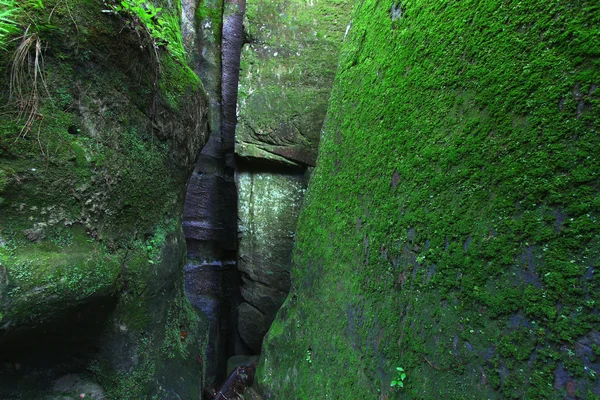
{"x":100,"y":126}
{"x":269,"y":207}
{"x":450,"y":227}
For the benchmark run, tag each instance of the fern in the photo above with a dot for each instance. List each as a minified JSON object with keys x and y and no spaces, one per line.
{"x":8,"y":10}
{"x":163,"y":27}
{"x":170,"y":32}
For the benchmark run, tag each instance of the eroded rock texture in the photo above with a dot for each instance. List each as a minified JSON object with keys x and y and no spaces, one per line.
{"x":287,"y":68}
{"x":451,"y":225}
{"x":91,"y":193}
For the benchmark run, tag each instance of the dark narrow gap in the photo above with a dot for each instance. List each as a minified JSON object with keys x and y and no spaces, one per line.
{"x":258,"y":165}
{"x":218,"y":280}
{"x":211,"y":276}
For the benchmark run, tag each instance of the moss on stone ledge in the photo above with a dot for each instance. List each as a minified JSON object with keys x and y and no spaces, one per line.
{"x":287,"y":68}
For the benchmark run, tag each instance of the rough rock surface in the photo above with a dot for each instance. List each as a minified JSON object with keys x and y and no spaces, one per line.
{"x":269,"y":207}
{"x":287,"y":69}
{"x":451,"y":225}
{"x":91,"y":190}
{"x":209,"y":220}
{"x":288,"y":64}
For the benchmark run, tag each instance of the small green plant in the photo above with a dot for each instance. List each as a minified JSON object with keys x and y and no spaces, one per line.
{"x":8,"y":25}
{"x":171,"y":35}
{"x":400,"y":377}
{"x":145,"y":11}
{"x":308,"y":356}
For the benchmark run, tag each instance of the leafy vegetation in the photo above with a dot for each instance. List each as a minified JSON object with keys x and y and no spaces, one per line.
{"x":8,"y":24}
{"x":162,"y":26}
{"x":400,"y":377}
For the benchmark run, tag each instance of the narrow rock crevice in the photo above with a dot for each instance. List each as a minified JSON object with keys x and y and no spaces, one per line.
{"x":263,"y":147}
{"x":210,"y":214}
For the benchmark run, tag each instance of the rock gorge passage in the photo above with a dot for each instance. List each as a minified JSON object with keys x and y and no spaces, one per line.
{"x":154,"y":183}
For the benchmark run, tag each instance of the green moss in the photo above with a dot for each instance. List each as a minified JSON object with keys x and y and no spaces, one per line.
{"x":130,"y":385}
{"x":177,"y":82}
{"x":174,"y":360}
{"x":213,"y":12}
{"x":449,"y":225}
{"x":46,"y":276}
{"x":3,"y":183}
{"x":183,"y":330}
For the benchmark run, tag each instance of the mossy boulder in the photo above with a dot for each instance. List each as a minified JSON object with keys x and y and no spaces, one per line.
{"x":287,"y":69}
{"x":450,"y":227}
{"x":100,"y":129}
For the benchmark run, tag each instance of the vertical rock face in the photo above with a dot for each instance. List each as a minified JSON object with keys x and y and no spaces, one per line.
{"x":450,"y":228}
{"x":91,"y":194}
{"x":233,"y":35}
{"x":209,"y":222}
{"x":270,"y":204}
{"x":209,"y":219}
{"x":287,"y":69}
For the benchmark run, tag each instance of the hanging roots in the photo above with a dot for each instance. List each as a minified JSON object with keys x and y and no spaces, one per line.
{"x":26,"y":79}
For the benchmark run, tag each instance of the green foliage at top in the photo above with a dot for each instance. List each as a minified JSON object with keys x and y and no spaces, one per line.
{"x":8,"y":25}
{"x":451,"y":224}
{"x":162,"y":26}
{"x":15,"y":15}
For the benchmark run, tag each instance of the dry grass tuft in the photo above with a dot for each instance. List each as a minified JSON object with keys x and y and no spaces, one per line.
{"x":27,"y":80}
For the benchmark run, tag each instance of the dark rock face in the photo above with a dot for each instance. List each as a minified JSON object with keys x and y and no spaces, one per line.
{"x":252,"y":325}
{"x":209,"y":212}
{"x":212,"y":280}
{"x":449,"y":238}
{"x":233,"y":35}
{"x":91,"y":245}
{"x":287,"y":68}
{"x":212,"y":288}
{"x":209,"y":219}
{"x":210,"y":216}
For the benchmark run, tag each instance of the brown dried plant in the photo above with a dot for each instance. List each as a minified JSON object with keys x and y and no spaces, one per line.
{"x":27,"y":80}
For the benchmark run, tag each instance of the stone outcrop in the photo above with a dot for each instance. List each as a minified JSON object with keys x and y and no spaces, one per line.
{"x":96,"y":145}
{"x":287,"y":68}
{"x":288,"y":64}
{"x":450,"y":227}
